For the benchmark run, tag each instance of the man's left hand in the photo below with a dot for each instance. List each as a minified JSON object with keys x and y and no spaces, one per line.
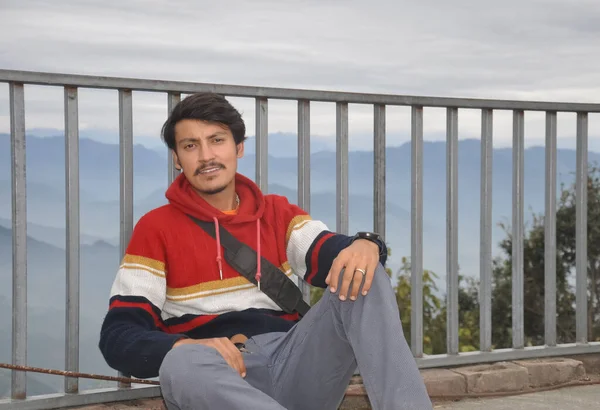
{"x":358,"y":261}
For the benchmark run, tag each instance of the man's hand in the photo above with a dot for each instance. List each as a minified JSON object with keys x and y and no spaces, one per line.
{"x":358,"y":261}
{"x":225,"y":347}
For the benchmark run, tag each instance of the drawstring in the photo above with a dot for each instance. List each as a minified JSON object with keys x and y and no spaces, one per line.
{"x":258,"y":252}
{"x":218,"y":247}
{"x":258,"y":274}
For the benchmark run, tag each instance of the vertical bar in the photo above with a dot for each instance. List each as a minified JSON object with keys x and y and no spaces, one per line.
{"x":72,"y":237}
{"x":581,"y":217}
{"x":379,"y":169}
{"x":126,"y":173}
{"x":517,"y":230}
{"x":485,"y":268}
{"x":19,"y":239}
{"x":304,"y":155}
{"x":550,"y":233}
{"x":304,"y":171}
{"x":262,"y":140}
{"x":452,"y":230}
{"x":342,"y":167}
{"x":416,"y":253}
{"x":172,"y":100}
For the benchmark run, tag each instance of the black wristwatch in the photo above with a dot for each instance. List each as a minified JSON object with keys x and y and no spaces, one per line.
{"x":373,"y":237}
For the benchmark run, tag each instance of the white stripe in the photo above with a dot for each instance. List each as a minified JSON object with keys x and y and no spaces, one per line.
{"x":300,"y":241}
{"x":218,"y":304}
{"x":175,"y":298}
{"x":139,"y":282}
{"x":139,"y":265}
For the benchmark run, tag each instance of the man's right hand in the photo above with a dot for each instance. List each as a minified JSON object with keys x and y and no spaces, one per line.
{"x":225,"y":347}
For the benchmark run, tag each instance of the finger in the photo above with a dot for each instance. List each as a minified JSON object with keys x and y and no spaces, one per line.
{"x":334,"y":272}
{"x":239,"y":358}
{"x":233,"y":358}
{"x":369,"y":277}
{"x":358,"y":279}
{"x":347,"y":279}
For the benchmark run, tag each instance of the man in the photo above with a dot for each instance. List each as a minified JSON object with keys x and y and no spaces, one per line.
{"x":176,"y":303}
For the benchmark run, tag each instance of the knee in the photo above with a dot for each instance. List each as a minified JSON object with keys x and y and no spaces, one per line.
{"x":185,"y":363}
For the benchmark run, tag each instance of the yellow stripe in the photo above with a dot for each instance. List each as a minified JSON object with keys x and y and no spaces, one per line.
{"x":217,"y":285}
{"x":142,"y":260}
{"x":297,"y":222}
{"x":205,"y":286}
{"x":222,"y":292}
{"x":144,"y":268}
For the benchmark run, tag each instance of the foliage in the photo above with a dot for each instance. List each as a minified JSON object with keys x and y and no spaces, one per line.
{"x":435,"y":305}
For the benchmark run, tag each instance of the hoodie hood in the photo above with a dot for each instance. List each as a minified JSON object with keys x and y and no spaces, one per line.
{"x":181,"y":194}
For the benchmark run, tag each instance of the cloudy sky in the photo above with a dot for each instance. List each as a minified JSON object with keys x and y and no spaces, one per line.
{"x":525,"y":49}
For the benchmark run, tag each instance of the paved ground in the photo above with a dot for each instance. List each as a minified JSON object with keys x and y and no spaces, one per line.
{"x":573,"y":398}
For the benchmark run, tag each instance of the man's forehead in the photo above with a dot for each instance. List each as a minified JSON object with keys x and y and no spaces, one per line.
{"x":196,"y":129}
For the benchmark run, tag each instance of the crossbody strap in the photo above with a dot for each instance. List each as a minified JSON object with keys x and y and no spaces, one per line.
{"x":274,"y":283}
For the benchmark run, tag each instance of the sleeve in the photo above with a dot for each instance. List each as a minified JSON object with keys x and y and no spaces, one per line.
{"x":133,"y":338}
{"x":310,"y":246}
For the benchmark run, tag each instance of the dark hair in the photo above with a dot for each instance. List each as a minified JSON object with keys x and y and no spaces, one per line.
{"x":208,"y":107}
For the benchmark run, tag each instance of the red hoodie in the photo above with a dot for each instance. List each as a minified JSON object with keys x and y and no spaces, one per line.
{"x":173,"y":281}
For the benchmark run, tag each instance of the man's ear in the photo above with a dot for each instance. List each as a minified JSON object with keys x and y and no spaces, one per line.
{"x":240,"y":149}
{"x":176,"y":161}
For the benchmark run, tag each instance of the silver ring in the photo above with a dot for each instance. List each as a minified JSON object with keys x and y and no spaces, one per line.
{"x":361,"y":271}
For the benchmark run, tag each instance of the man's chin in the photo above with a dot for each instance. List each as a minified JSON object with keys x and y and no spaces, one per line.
{"x":210,"y":190}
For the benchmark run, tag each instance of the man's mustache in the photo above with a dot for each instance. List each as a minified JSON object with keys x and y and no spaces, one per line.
{"x":205,"y":167}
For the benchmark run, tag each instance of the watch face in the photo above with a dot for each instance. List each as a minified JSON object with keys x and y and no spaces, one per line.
{"x":369,"y":235}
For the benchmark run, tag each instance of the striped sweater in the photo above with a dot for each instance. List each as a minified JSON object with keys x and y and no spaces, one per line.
{"x":173,"y":281}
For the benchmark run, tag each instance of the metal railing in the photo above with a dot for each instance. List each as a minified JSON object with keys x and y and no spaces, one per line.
{"x":262,"y":95}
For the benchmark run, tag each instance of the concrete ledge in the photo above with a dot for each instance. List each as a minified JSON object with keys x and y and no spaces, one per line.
{"x":497,"y":377}
{"x":550,"y":372}
{"x":443,"y":382}
{"x":517,"y":376}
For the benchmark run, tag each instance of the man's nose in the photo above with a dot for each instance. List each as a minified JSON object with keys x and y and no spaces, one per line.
{"x":206,"y":153}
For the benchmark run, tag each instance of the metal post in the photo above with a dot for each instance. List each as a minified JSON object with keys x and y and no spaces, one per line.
{"x":19,"y":239}
{"x":72,"y":236}
{"x":517,"y":230}
{"x":452,"y":230}
{"x":342,"y":167}
{"x":172,"y":100}
{"x":581,"y":220}
{"x":262,"y":140}
{"x":550,"y":233}
{"x":379,"y":169}
{"x":485,"y":269}
{"x":304,"y":171}
{"x":126,"y":174}
{"x":416,"y":258}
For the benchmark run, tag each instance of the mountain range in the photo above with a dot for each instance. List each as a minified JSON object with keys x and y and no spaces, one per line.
{"x":99,"y":210}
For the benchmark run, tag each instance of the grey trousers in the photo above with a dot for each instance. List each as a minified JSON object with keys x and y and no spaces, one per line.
{"x":310,"y":366}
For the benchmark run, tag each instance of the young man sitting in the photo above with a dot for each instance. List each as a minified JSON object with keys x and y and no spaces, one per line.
{"x":237,"y":337}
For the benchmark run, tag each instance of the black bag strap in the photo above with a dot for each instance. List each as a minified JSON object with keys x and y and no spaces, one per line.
{"x":274,"y":283}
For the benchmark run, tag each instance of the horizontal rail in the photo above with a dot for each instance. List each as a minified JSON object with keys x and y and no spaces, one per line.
{"x":84,"y":398}
{"x":500,"y":355}
{"x":137,"y":84}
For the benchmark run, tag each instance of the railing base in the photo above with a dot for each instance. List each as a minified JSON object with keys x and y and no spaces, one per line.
{"x":500,"y":355}
{"x":60,"y":400}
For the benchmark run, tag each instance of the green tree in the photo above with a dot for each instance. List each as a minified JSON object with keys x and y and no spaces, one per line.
{"x":565,"y":242}
{"x":533,"y":254}
{"x":435,"y":311}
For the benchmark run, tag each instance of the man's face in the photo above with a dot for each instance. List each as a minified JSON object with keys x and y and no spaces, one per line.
{"x":208,"y":155}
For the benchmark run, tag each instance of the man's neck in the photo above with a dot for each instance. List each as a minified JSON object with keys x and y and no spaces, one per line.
{"x":224,"y":200}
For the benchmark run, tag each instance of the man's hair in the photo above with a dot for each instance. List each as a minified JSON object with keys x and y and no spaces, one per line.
{"x":208,"y":107}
